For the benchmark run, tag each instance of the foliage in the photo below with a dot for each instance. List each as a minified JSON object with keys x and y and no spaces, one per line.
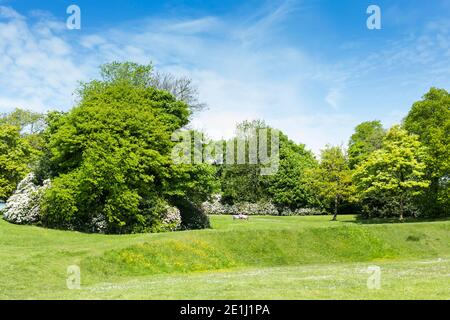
{"x":110,"y":157}
{"x":45,"y":167}
{"x":182,"y":88}
{"x":332,"y":179}
{"x":16,"y":156}
{"x":28,"y":121}
{"x":288,"y":188}
{"x":171,"y":219}
{"x":302,"y":212}
{"x":367,"y":138}
{"x":215,"y":206}
{"x":261,"y":208}
{"x":430,"y":120}
{"x":243,"y":182}
{"x":285,"y":188}
{"x":112,"y":170}
{"x":192,"y":215}
{"x":31,"y":125}
{"x":395,"y":173}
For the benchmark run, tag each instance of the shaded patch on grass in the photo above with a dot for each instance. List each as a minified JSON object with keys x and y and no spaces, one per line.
{"x":413,"y":238}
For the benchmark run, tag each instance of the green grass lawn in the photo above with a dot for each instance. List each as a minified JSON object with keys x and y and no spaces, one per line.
{"x":264,"y":258}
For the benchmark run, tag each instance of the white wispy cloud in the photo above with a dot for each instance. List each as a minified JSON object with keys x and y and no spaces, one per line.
{"x":254,"y":29}
{"x":332,"y":97}
{"x":39,"y":69}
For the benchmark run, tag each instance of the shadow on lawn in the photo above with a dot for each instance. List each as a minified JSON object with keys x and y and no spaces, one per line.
{"x":361,"y":220}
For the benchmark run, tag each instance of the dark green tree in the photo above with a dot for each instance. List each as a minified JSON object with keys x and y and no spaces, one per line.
{"x":243,"y":182}
{"x":367,"y":138}
{"x":110,"y":157}
{"x":285,"y":186}
{"x":429,"y":118}
{"x":288,"y":188}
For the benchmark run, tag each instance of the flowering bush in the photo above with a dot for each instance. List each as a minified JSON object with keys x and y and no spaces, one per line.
{"x":171,"y":218}
{"x":215,"y":206}
{"x":99,"y":224}
{"x":259,"y":208}
{"x":302,"y":212}
{"x":23,"y":207}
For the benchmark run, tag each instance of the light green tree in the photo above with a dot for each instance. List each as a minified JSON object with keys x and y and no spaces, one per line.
{"x":332,"y":179}
{"x":16,"y":156}
{"x":29,"y":122}
{"x":396,"y":171}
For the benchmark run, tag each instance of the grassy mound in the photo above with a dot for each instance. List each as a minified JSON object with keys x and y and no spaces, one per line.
{"x":205,"y":251}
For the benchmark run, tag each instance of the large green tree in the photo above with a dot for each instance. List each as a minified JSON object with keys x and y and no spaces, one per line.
{"x":242,"y":181}
{"x":395,"y":173}
{"x":110,"y":158}
{"x":285,"y":184}
{"x":288,"y":187}
{"x":429,"y":118}
{"x":367,"y":138}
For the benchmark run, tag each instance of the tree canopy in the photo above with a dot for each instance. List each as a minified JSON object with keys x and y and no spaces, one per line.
{"x":182,"y":88}
{"x":332,"y":179}
{"x":20,"y":145}
{"x":429,"y":118}
{"x":395,"y":172}
{"x":111,"y":157}
{"x":367,"y":138}
{"x":285,"y":188}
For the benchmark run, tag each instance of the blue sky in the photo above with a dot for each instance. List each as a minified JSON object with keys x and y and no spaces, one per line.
{"x":310,"y":68}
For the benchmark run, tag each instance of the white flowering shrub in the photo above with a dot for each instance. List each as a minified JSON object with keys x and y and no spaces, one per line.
{"x":259,"y":208}
{"x":99,"y":224}
{"x":301,"y":212}
{"x":23,"y":206}
{"x":171,"y":218}
{"x":215,"y":206}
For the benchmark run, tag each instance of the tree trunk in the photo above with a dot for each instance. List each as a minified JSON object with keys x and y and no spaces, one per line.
{"x":401,"y":208}
{"x":335,"y":208}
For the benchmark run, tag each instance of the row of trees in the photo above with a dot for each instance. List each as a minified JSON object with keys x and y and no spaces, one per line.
{"x":403,"y":171}
{"x":109,"y":160}
{"x":408,"y":173}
